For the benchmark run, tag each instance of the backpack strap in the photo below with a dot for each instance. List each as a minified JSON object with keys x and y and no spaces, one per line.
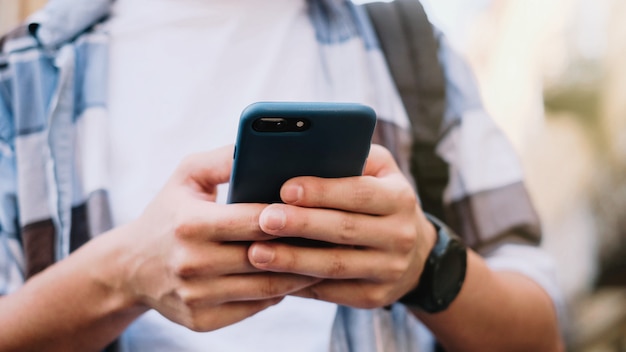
{"x":408,"y":42}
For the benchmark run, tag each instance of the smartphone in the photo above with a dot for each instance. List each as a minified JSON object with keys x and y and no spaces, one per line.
{"x":277,"y":141}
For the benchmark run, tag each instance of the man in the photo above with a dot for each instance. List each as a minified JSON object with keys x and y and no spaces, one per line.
{"x":110,"y":237}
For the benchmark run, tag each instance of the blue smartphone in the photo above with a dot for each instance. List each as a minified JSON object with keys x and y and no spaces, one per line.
{"x":277,"y":141}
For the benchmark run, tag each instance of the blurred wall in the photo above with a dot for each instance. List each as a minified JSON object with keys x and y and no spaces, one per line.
{"x":615,"y":104}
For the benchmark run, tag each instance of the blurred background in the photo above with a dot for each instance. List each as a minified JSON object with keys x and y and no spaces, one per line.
{"x":13,"y":11}
{"x":551,"y":75}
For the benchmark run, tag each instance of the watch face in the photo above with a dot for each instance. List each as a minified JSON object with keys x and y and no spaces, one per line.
{"x":450,"y":272}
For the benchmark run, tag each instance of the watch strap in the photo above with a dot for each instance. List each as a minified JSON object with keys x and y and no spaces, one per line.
{"x":448,"y":258}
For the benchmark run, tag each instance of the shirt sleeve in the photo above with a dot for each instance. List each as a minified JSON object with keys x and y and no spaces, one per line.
{"x":486,"y":199}
{"x":534,"y":263}
{"x":489,"y":205}
{"x":11,"y":257}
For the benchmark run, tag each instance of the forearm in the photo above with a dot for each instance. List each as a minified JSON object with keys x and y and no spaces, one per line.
{"x":71,"y":306}
{"x":496,"y":311}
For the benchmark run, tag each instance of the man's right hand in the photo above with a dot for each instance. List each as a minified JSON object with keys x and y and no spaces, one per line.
{"x":187,"y":255}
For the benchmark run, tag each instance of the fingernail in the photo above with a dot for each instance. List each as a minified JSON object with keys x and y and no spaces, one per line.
{"x":261,"y":254}
{"x":273,"y":218}
{"x":292,"y":193}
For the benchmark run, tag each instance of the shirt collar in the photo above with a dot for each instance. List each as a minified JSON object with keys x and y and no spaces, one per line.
{"x":61,"y":20}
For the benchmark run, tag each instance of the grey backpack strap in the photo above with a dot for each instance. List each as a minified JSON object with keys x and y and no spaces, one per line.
{"x":407,"y":39}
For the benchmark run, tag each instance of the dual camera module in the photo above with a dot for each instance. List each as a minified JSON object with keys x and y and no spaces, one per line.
{"x":281,"y":124}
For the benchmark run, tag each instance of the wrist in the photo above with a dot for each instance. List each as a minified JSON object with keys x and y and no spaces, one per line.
{"x":114,"y":258}
{"x":443,"y":273}
{"x":75,"y":304}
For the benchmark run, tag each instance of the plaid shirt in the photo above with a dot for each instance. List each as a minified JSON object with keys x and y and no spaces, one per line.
{"x":53,"y":73}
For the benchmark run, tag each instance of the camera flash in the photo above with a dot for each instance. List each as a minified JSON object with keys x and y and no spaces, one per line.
{"x":300,"y":123}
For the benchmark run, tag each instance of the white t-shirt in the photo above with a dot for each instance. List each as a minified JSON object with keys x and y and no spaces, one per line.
{"x":181,"y":72}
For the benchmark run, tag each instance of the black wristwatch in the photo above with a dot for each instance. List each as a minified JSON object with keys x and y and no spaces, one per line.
{"x":443,"y":274}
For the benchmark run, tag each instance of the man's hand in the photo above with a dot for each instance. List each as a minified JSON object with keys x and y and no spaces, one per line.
{"x":187,"y":255}
{"x":382,"y":236}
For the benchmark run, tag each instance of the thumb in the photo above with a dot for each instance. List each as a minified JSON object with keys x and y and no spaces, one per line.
{"x":206,"y":169}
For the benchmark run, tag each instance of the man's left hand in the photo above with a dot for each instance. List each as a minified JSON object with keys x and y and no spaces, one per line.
{"x":381,"y":237}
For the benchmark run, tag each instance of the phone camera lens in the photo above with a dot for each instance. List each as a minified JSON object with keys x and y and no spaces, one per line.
{"x":279,"y":124}
{"x":269,"y":124}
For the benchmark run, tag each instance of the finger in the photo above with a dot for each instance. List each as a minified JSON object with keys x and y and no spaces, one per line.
{"x":207,"y":221}
{"x":339,"y":227}
{"x":382,"y":189}
{"x":361,"y":194}
{"x":248,"y":287}
{"x":213,"y":318}
{"x":327,"y":263}
{"x":191,"y":262}
{"x":353,"y":293}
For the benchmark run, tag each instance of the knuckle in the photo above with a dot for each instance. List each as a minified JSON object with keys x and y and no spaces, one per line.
{"x":269,"y":288}
{"x":348,"y":228}
{"x":362,"y":195}
{"x":396,"y":269}
{"x":384,"y":152}
{"x":274,"y":286}
{"x":224,"y":227}
{"x":336,"y":267}
{"x":406,"y":196}
{"x":290,"y":261}
{"x":186,"y":265}
{"x":188,"y":162}
{"x":196,"y":327}
{"x":201,"y":323}
{"x":187,"y":227}
{"x":376,"y":297}
{"x":184,"y":269}
{"x":184,"y":230}
{"x":314,"y":292}
{"x":189,"y":299}
{"x":405,"y":238}
{"x":197,"y":316}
